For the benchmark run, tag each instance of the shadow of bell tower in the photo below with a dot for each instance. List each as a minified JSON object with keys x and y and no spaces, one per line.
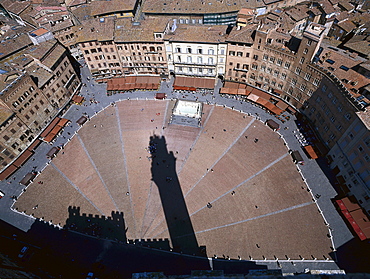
{"x":176,"y":213}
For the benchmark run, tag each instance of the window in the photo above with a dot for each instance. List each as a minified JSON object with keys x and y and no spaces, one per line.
{"x":301,"y":60}
{"x":294,"y":81}
{"x":239,"y":53}
{"x":283,"y":75}
{"x":318,"y":99}
{"x":211,"y":51}
{"x":340,"y":108}
{"x":309,"y":42}
{"x":339,"y":127}
{"x":188,"y":49}
{"x":247,"y":54}
{"x":347,"y":116}
{"x":287,"y":65}
{"x":330,"y":94}
{"x":323,"y":88}
{"x":255,"y":57}
{"x":316,"y":82}
{"x":178,"y":49}
{"x":332,"y":119}
{"x":200,"y":60}
{"x":303,"y":87}
{"x":263,"y":68}
{"x":200,"y":51}
{"x":222,"y":51}
{"x":298,"y":70}
{"x":276,"y":73}
{"x":279,"y":62}
{"x":254,"y":66}
{"x":309,"y":92}
{"x":305,"y":51}
{"x":334,"y":100}
{"x":272,"y":59}
{"x":178,"y":58}
{"x":232,"y":53}
{"x":210,"y":61}
{"x":189,"y":60}
{"x":265,"y":57}
{"x":307,"y":76}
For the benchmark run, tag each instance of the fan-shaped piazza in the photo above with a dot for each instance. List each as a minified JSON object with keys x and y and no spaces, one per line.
{"x":244,"y":198}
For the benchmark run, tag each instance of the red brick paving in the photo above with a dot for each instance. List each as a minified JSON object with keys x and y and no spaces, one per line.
{"x":292,"y":232}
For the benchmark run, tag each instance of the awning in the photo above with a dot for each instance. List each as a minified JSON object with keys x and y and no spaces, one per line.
{"x":81,"y":120}
{"x":252,"y":97}
{"x":50,"y":127}
{"x":8,"y":172}
{"x":23,"y":158}
{"x":34,"y":145}
{"x":357,"y":219}
{"x":77,"y":99}
{"x":160,"y":96}
{"x":27,"y":179}
{"x":310,"y":151}
{"x":52,"y":152}
{"x":224,"y":90}
{"x":272,"y":124}
{"x":62,"y":122}
{"x":282,"y":105}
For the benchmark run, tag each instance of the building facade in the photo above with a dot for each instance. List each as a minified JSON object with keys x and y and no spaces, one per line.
{"x":350,"y":159}
{"x":196,"y":51}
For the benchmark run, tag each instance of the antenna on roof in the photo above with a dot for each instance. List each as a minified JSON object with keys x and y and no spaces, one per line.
{"x":174,"y":26}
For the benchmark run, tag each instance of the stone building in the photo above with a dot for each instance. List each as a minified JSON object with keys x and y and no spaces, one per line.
{"x":350,"y":159}
{"x":196,"y":50}
{"x":37,"y":82}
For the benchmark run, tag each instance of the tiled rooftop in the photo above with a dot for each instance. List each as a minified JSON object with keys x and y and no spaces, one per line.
{"x":111,"y":7}
{"x":96,"y":29}
{"x":126,"y":31}
{"x":244,"y":35}
{"x":192,"y":33}
{"x":197,"y":7}
{"x":365,"y":117}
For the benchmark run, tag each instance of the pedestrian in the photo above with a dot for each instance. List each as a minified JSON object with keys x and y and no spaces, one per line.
{"x":255,"y":140}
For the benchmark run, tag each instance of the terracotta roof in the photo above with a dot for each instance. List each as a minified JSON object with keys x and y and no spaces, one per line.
{"x":341,"y":64}
{"x":40,"y":31}
{"x":125,"y":31}
{"x":359,"y":44}
{"x":111,"y":7}
{"x":203,"y":33}
{"x":40,"y":73}
{"x":346,"y":5}
{"x":76,"y":3}
{"x":347,"y":25}
{"x":13,"y":45}
{"x":197,"y":7}
{"x":365,"y":117}
{"x":82,"y":12}
{"x":15,"y":7}
{"x":96,"y":29}
{"x":297,"y":13}
{"x":244,"y":35}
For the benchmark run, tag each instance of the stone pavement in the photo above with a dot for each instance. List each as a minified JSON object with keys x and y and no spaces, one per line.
{"x":318,"y":183}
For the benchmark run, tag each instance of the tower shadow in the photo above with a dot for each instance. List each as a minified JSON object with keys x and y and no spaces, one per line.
{"x":175,"y":210}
